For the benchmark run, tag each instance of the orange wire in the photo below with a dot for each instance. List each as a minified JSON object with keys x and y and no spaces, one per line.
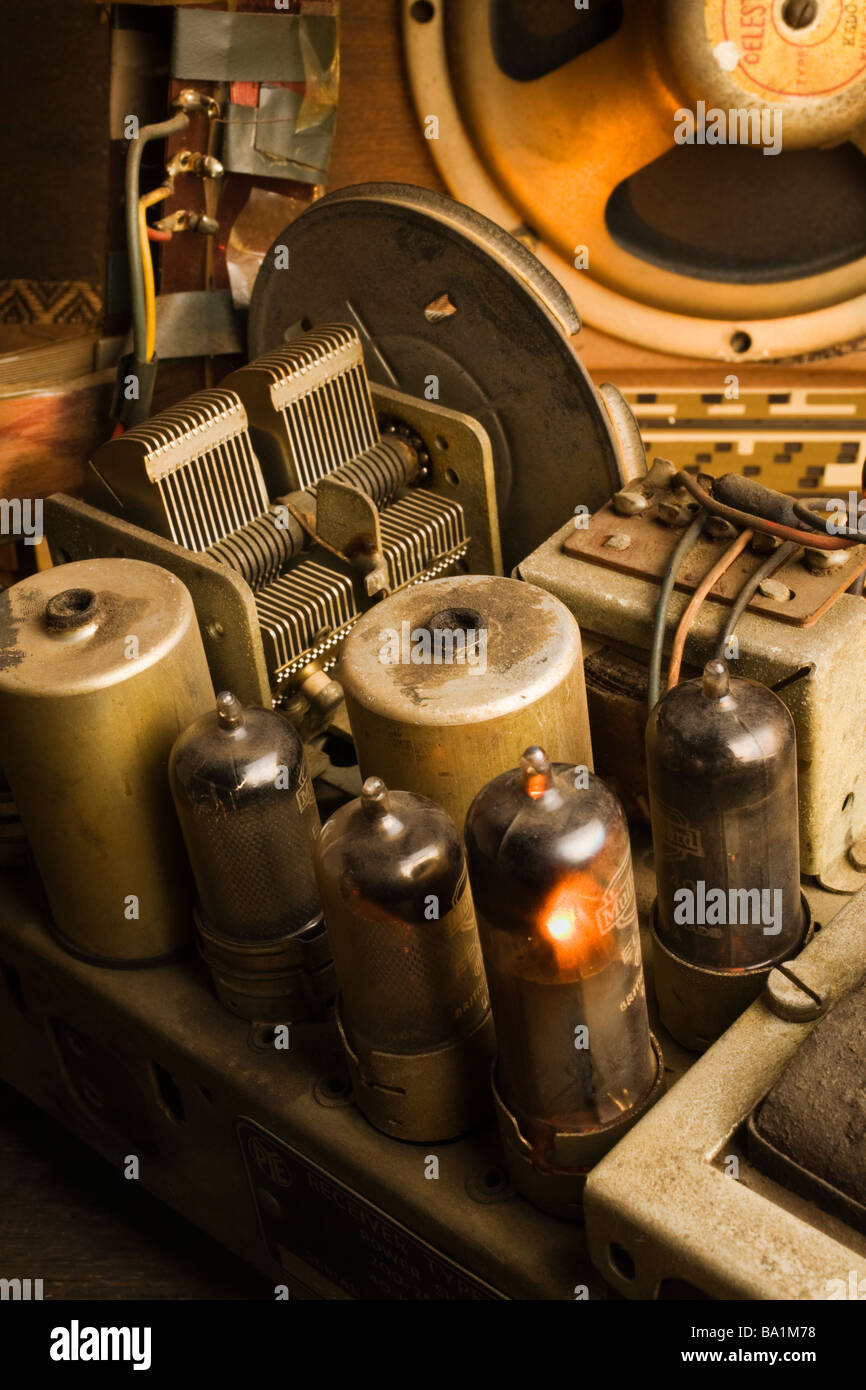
{"x":684,"y":626}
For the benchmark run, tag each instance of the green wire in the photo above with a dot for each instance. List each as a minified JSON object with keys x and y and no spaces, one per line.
{"x":684,"y":545}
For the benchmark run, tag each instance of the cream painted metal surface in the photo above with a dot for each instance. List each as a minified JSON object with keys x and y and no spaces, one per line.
{"x":668,"y":1203}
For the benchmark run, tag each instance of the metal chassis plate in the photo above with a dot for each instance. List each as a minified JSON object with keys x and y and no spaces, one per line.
{"x":135,"y":1028}
{"x":649,"y":551}
{"x":665,"y":1203}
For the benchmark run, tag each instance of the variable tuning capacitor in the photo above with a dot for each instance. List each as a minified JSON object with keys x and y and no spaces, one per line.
{"x":550,"y":866}
{"x":413,"y":1008}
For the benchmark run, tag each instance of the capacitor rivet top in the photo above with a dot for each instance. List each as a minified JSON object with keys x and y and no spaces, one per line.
{"x":413,"y":1009}
{"x":550,"y":866}
{"x":722,"y":772}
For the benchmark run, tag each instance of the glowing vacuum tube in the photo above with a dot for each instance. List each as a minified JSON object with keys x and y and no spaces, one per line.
{"x":722,"y":768}
{"x":550,"y":866}
{"x":413,"y":1007}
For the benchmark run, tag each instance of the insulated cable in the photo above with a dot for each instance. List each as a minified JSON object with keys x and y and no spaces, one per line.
{"x":710,"y":578}
{"x":684,"y":545}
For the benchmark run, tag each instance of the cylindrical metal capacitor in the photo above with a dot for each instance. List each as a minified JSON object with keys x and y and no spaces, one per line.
{"x":413,"y":1008}
{"x":722,"y":767}
{"x":444,"y":680}
{"x":101,"y":666}
{"x":550,"y":867}
{"x":249,"y":819}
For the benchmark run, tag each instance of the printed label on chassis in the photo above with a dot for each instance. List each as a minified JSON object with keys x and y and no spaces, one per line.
{"x":309,"y":1216}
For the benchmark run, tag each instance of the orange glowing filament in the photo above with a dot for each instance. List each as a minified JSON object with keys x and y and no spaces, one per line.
{"x":573,"y":921}
{"x":560,"y":925}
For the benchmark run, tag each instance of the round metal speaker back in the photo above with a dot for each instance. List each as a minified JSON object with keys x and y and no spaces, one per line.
{"x":694,"y":171}
{"x":450,"y":307}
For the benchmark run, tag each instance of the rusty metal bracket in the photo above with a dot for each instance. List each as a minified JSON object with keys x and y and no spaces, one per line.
{"x":641,"y":545}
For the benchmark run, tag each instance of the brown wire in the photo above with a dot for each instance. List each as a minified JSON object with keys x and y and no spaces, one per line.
{"x":710,"y":578}
{"x":814,"y":539}
{"x":308,"y":528}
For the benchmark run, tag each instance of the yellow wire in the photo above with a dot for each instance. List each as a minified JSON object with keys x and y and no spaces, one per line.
{"x":147,"y":201}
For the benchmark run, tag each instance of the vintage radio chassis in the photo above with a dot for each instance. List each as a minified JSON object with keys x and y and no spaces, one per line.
{"x":264,"y":1149}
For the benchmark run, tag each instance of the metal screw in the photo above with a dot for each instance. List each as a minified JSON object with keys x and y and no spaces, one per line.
{"x":820,"y":561}
{"x":799,"y":14}
{"x":797,"y":997}
{"x":775,"y":589}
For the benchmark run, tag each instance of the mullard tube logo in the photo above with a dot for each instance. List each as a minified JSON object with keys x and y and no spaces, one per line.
{"x":681,"y":840}
{"x":617,"y":907}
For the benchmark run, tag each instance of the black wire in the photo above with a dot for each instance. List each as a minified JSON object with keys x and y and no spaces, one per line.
{"x":772,"y":563}
{"x":684,"y":545}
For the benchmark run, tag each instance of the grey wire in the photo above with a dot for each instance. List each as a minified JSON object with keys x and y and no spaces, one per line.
{"x":146,"y":133}
{"x":773,"y":562}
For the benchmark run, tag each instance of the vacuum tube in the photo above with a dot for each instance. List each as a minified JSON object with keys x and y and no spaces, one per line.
{"x":550,"y":867}
{"x":413,"y":1008}
{"x":722,"y":766}
{"x":249,"y":820}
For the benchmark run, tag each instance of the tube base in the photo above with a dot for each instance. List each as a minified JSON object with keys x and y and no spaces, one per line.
{"x":424,"y":1097}
{"x":697,"y":1004}
{"x":557,"y":1188}
{"x":287,"y":980}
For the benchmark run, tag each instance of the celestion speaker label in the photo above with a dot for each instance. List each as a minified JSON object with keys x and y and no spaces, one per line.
{"x":778,"y":60}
